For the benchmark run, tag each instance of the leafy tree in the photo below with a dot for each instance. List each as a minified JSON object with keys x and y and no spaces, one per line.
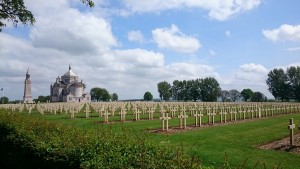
{"x":15,"y":11}
{"x":99,"y":94}
{"x":17,"y":101}
{"x":105,"y":96}
{"x":186,"y":90}
{"x":42,"y":99}
{"x":164,"y":90}
{"x":148,"y":96}
{"x":278,"y":84}
{"x":184,"y":93}
{"x":246,"y":94}
{"x":224,"y":95}
{"x":176,"y":88}
{"x":258,"y":97}
{"x":4,"y":100}
{"x":179,"y":90}
{"x":114,"y":97}
{"x":234,"y":94}
{"x":209,"y":89}
{"x":293,"y":74}
{"x":193,"y":87}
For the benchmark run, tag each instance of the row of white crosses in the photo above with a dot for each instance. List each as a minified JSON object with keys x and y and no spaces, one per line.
{"x":196,"y":110}
{"x":255,"y":110}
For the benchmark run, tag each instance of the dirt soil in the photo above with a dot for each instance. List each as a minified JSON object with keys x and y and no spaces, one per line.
{"x":284,"y":145}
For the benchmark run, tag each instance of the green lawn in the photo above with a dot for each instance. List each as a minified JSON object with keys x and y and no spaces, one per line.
{"x":238,"y":140}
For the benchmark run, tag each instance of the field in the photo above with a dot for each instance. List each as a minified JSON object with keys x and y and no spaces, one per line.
{"x":218,"y":145}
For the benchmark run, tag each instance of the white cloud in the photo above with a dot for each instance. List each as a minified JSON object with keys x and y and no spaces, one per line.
{"x":283,"y":33}
{"x":129,"y":73}
{"x":217,"y":9}
{"x":84,"y":33}
{"x":136,"y":36}
{"x":284,"y":67}
{"x":293,"y":49}
{"x":173,"y":39}
{"x":47,"y":7}
{"x":250,"y":75}
{"x":253,"y":68}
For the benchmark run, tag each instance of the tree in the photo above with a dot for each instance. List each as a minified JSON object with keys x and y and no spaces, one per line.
{"x":246,"y":94}
{"x":16,"y":101}
{"x":114,"y":97}
{"x":193,"y":87}
{"x":258,"y":97}
{"x":293,"y":74}
{"x":224,"y":95}
{"x":209,"y":89}
{"x":4,"y":100}
{"x":15,"y":11}
{"x":148,"y":96}
{"x":42,"y":99}
{"x":164,"y":90}
{"x":234,"y":94}
{"x":99,"y":94}
{"x":176,"y":88}
{"x":278,"y":84}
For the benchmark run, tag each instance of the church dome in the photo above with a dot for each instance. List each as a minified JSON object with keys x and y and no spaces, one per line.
{"x":77,"y":84}
{"x":69,"y":73}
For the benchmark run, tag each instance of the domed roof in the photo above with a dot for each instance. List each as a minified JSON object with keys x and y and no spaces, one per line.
{"x":77,"y":84}
{"x":70,"y":72}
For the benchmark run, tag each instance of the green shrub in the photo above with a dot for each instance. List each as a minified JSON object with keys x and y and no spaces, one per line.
{"x":60,"y":146}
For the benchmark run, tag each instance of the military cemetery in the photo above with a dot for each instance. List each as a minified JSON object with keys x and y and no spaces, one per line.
{"x":220,"y":130}
{"x":141,"y":84}
{"x":189,"y":119}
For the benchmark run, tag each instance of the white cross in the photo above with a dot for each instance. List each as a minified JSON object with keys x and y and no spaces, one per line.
{"x":291,"y":127}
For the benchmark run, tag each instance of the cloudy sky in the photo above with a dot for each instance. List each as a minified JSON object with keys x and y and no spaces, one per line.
{"x":128,"y":46}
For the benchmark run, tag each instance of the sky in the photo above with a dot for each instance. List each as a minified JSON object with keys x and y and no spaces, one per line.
{"x":128,"y":46}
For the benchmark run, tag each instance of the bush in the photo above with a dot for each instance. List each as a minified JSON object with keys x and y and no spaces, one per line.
{"x":57,"y":145}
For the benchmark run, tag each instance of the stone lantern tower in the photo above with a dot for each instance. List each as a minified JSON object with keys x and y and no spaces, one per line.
{"x":27,"y":98}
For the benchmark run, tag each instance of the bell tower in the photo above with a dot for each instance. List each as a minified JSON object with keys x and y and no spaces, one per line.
{"x":27,"y":89}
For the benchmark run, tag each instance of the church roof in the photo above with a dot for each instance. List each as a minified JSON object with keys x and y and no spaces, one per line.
{"x":70,"y":72}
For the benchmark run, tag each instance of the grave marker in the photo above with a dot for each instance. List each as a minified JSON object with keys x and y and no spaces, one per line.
{"x":122,"y":114}
{"x":182,"y":117}
{"x":150,"y":113}
{"x":87,"y":111}
{"x":196,"y":115}
{"x":106,"y":114}
{"x":137,"y":113}
{"x":165,"y":117}
{"x":291,"y":128}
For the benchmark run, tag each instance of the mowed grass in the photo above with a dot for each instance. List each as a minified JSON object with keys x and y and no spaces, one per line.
{"x":238,"y":140}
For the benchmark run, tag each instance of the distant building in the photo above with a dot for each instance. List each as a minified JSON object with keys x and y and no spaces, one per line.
{"x":27,"y":98}
{"x":68,"y":88}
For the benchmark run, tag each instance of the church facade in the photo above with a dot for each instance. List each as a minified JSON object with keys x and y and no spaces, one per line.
{"x":68,"y":88}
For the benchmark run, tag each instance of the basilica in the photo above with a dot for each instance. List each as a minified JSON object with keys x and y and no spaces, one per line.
{"x":68,"y":88}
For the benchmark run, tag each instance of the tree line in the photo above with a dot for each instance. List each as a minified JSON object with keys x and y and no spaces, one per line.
{"x":101,"y":94}
{"x":206,"y":90}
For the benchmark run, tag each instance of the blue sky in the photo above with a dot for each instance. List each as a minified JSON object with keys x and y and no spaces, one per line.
{"x":128,"y":46}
